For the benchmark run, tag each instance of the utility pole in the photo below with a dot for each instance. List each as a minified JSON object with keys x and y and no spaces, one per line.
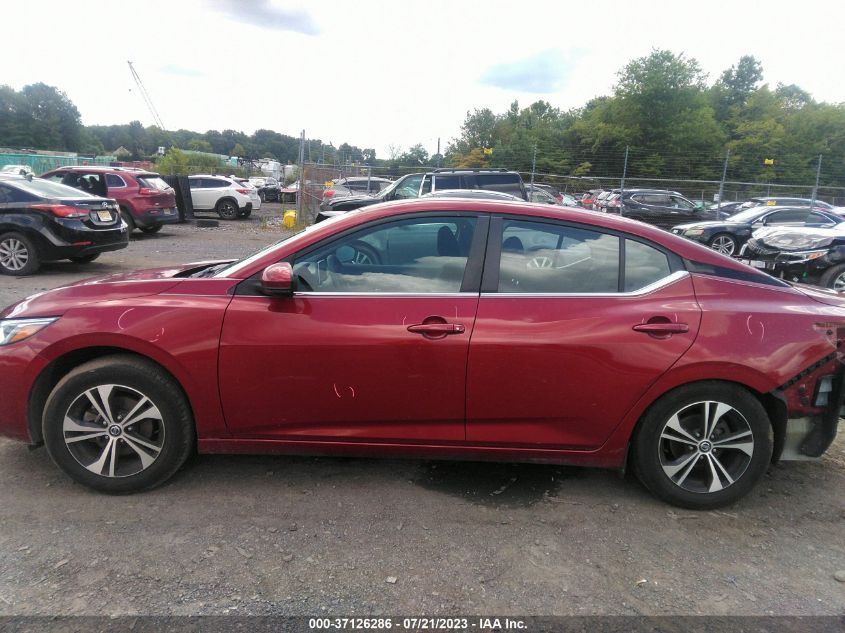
{"x":533,"y":164}
{"x":816,"y":188}
{"x":438,"y":151}
{"x":299,"y":217}
{"x":624,"y":173}
{"x":722,"y":182}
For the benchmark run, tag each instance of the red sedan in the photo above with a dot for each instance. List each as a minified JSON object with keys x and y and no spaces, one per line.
{"x":436,"y":328}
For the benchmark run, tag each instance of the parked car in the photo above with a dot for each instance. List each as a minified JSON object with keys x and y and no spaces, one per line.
{"x":588,"y":198}
{"x":728,"y":236}
{"x":814,"y":255}
{"x":269,"y":189}
{"x":599,"y":200}
{"x":42,"y":221}
{"x":551,"y":189}
{"x":146,"y":201}
{"x":624,"y":345}
{"x":779,"y":201}
{"x":220,"y":194}
{"x":727,"y":207}
{"x":17,"y":170}
{"x":568,"y":200}
{"x":540,"y":195}
{"x":662,"y":208}
{"x":355,"y":186}
{"x":416,"y":185}
{"x":254,"y":197}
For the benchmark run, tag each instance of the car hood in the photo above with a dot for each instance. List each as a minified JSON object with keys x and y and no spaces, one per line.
{"x":799,"y":238}
{"x":706,"y":225}
{"x":138,"y":283}
{"x":357,"y":200}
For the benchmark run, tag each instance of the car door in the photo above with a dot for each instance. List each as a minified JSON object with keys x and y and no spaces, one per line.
{"x":199,"y":193}
{"x":573,"y":325}
{"x":372,"y":346}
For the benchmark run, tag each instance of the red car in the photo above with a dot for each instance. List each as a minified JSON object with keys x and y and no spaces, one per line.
{"x":146,"y":201}
{"x":445,"y":328}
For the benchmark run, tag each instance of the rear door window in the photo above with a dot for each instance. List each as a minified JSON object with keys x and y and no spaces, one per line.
{"x":542,"y":258}
{"x":644,"y":265}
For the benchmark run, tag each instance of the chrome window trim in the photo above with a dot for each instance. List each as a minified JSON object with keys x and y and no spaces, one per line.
{"x":382,"y":295}
{"x":657,"y":285}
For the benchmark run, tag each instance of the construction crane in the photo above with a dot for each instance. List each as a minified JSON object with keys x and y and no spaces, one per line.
{"x":146,"y":97}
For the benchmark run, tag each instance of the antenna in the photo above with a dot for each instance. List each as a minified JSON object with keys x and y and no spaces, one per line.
{"x":146,"y":96}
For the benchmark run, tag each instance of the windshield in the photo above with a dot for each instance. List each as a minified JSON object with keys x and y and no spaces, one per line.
{"x":747,"y":215}
{"x":47,"y":189}
{"x":154,"y":182}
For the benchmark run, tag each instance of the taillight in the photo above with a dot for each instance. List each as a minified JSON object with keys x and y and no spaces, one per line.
{"x":328,"y":193}
{"x":62,"y":210}
{"x":243,"y":191}
{"x":146,"y":191}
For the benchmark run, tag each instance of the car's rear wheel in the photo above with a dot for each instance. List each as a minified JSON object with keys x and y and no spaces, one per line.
{"x":227,"y":209}
{"x":118,"y":424}
{"x":703,"y":446}
{"x":723,"y":243}
{"x":18,"y":255}
{"x":834,"y":278}
{"x":85,"y":259}
{"x":127,"y":217}
{"x":149,"y":230}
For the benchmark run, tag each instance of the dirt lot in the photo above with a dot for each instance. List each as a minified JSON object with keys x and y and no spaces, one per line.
{"x":304,"y":536}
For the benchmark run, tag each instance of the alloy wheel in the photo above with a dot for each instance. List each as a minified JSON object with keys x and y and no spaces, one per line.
{"x":113,"y":430}
{"x":705,"y":447}
{"x":839,"y":283}
{"x":723,"y":244}
{"x":14,"y":254}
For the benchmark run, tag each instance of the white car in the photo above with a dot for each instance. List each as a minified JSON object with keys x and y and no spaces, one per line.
{"x":230,"y":199}
{"x":18,"y":170}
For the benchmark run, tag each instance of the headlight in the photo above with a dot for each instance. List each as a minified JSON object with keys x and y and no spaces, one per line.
{"x":14,"y":330}
{"x":694,"y":232}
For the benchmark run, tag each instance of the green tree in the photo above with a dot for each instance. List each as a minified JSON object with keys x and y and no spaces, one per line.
{"x":200,"y":145}
{"x":54,"y":122}
{"x":238,"y":150}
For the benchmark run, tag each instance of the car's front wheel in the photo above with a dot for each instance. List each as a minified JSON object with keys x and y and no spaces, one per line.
{"x":18,"y":255}
{"x":118,"y":424}
{"x":703,"y":446}
{"x":724,"y":244}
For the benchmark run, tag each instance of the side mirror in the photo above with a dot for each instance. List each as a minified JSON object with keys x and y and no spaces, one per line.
{"x":277,"y":280}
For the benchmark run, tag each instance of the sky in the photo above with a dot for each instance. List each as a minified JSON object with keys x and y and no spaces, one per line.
{"x":389,"y":75}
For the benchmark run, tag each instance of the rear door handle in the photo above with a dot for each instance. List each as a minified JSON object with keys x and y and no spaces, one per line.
{"x":662,"y":328}
{"x":437,"y":329}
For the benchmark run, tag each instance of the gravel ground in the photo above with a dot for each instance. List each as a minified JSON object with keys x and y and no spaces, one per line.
{"x":310,"y":536}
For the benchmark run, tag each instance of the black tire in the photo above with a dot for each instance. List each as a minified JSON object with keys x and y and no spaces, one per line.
{"x":724,"y":243}
{"x":150,"y":230}
{"x":227,"y":209}
{"x":130,"y":379}
{"x":700,"y":473}
{"x":127,"y":217}
{"x":18,"y":255}
{"x":246,"y":213}
{"x":85,"y":259}
{"x":262,"y":196}
{"x":834,"y":278}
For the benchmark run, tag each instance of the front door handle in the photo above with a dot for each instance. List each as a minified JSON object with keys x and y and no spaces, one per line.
{"x":437,"y":329}
{"x":661,"y":328}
